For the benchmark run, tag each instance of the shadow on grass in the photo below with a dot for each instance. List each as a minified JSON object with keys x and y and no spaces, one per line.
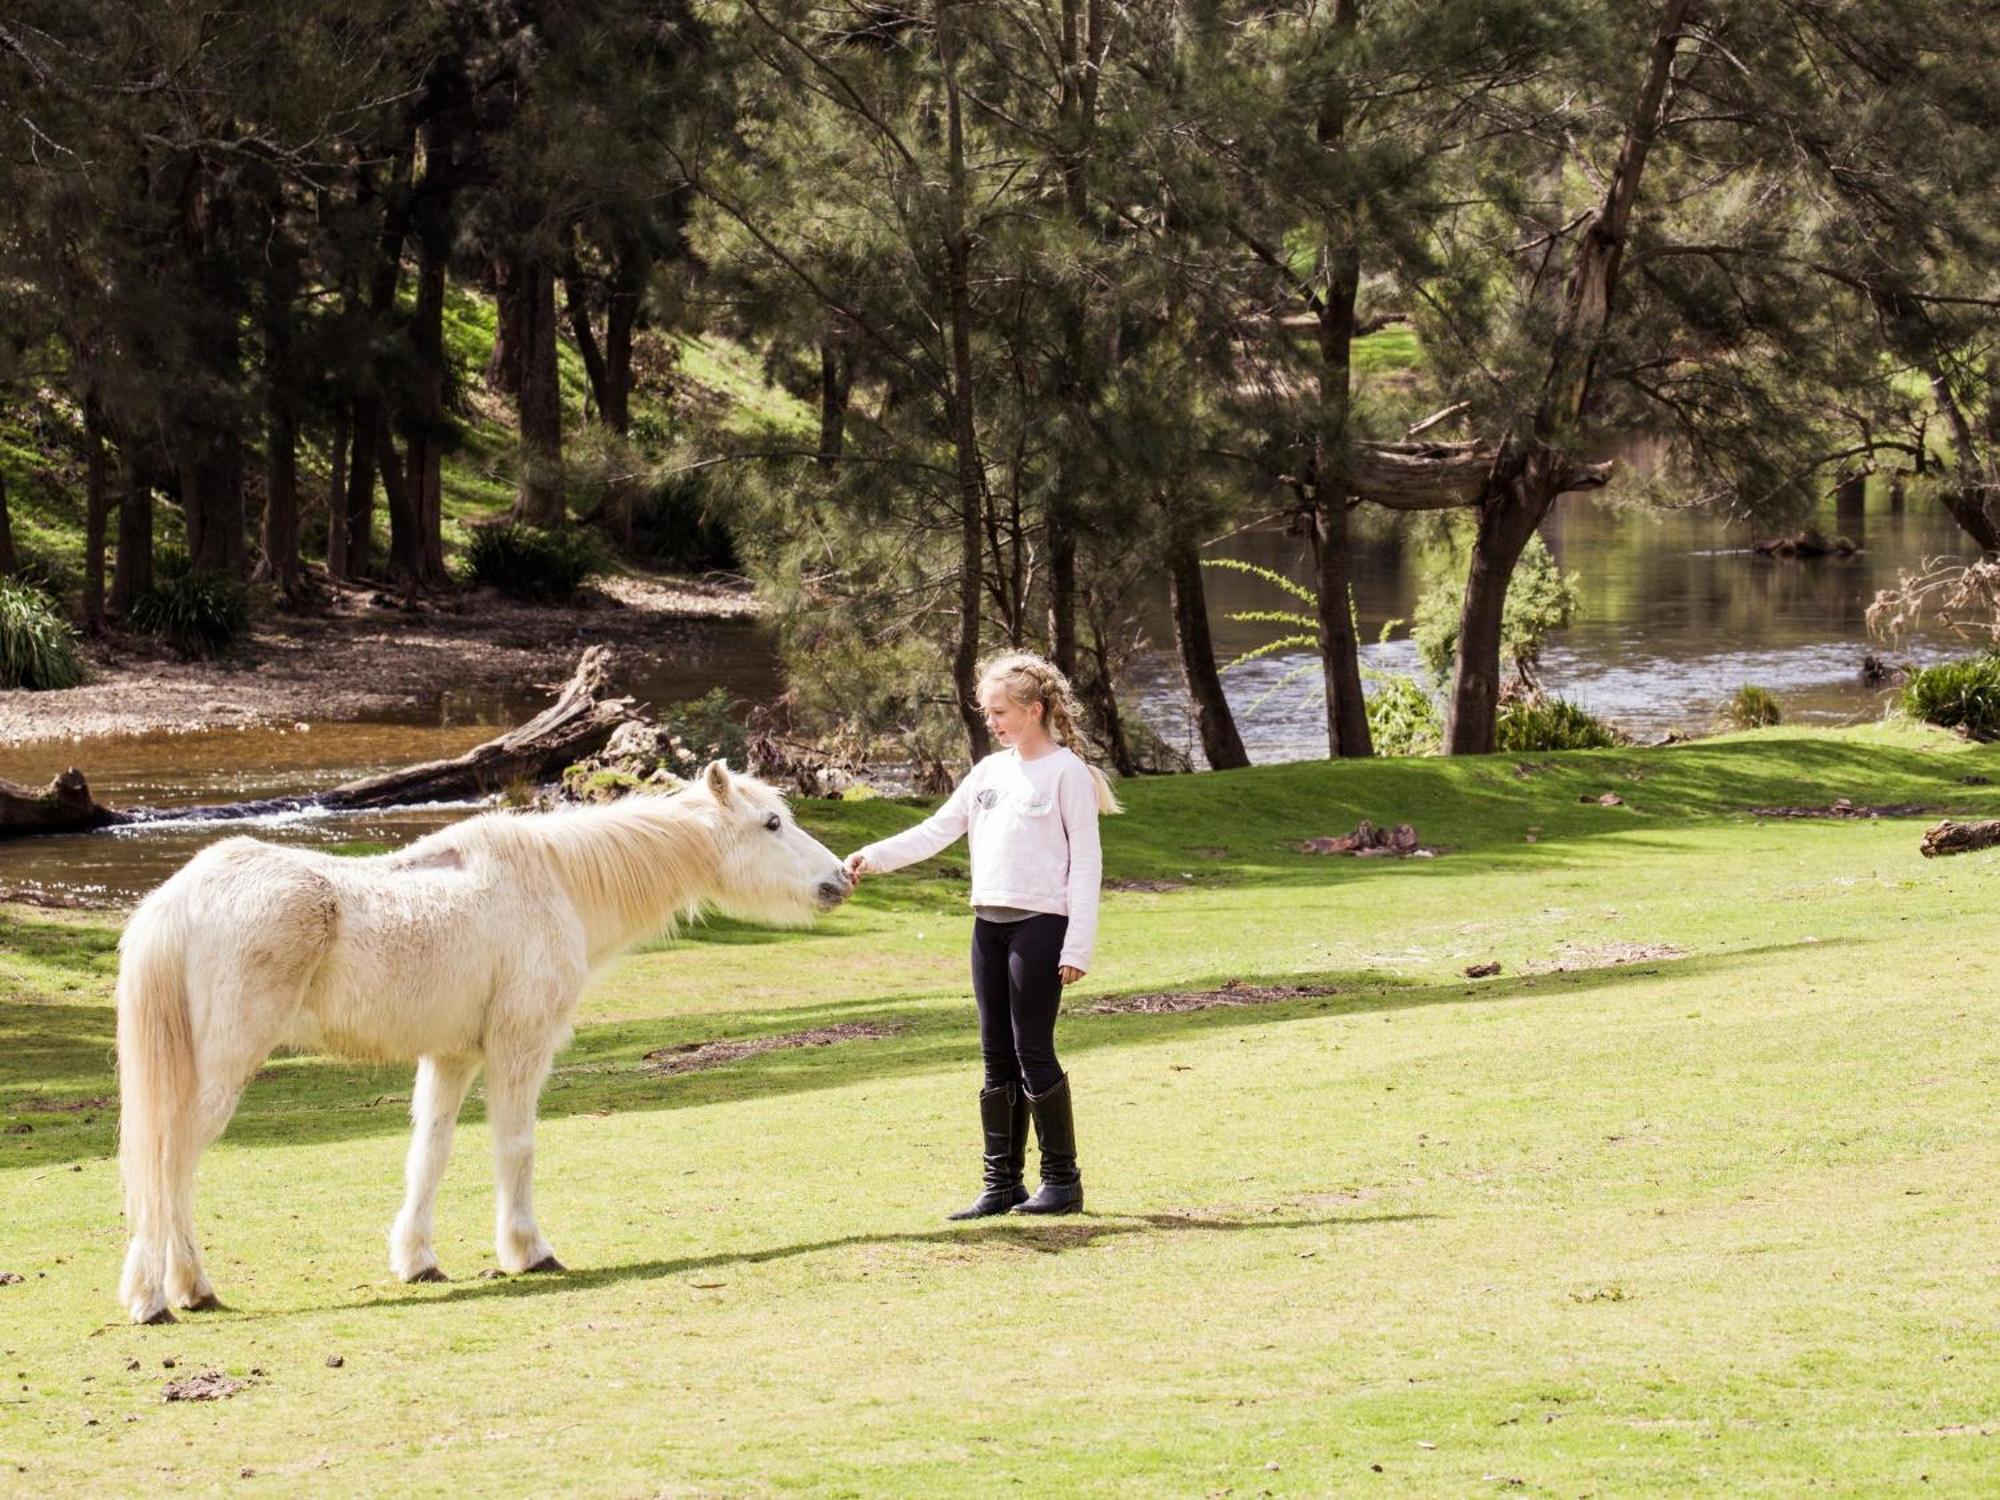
{"x":311,"y":1101}
{"x":1004,"y":1234}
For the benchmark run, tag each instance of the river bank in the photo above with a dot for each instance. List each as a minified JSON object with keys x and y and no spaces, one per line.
{"x":368,"y":655}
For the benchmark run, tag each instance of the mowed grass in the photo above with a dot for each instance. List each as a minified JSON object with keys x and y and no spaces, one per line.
{"x":1697,"y":1195}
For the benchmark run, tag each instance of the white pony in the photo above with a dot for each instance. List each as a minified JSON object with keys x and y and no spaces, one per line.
{"x":468,"y":947}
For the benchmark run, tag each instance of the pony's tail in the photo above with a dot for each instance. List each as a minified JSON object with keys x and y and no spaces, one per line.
{"x":1107,"y":800}
{"x":156,"y":1103}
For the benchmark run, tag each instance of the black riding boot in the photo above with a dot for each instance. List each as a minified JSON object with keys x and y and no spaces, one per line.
{"x":1061,"y":1191}
{"x":1003,"y":1116}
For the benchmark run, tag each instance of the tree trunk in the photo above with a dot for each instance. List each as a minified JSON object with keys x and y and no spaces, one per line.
{"x":212,"y":505}
{"x":503,"y":365}
{"x":132,"y":576}
{"x":336,"y":494}
{"x":96,"y":512}
{"x":428,"y":423}
{"x":541,"y":501}
{"x":622,"y":311}
{"x":1333,"y":593}
{"x":964,"y":428}
{"x":1213,"y":720}
{"x":1339,"y":651}
{"x":1505,"y":524}
{"x":358,"y":527}
{"x":836,"y":384}
{"x":281,"y":492}
{"x":1529,"y":474}
{"x":406,"y":550}
{"x":576,"y":299}
{"x":1098,"y":689}
{"x":10,"y":563}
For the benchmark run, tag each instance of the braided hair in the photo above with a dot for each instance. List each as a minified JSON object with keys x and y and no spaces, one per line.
{"x":1029,"y":678}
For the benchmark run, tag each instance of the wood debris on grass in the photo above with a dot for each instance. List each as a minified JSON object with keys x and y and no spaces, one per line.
{"x":1842,"y":807}
{"x":1482,"y":971}
{"x":1959,"y":838}
{"x":209,"y":1385}
{"x":1367,"y":841}
{"x":1569,"y":957}
{"x":1232,"y":992}
{"x":692,"y":1057}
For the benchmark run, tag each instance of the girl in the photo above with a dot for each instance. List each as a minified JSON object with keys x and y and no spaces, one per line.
{"x":1030,"y":812}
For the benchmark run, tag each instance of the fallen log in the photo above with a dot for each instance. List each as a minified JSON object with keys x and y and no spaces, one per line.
{"x":576,"y":725}
{"x":63,"y":806}
{"x":1959,"y":838}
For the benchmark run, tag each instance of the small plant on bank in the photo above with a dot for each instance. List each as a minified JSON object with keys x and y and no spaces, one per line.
{"x":676,"y":523}
{"x":1539,"y":722}
{"x":1962,"y":695}
{"x":200,"y":615}
{"x":531,"y":564}
{"x":37,"y":646}
{"x":1754,"y":707}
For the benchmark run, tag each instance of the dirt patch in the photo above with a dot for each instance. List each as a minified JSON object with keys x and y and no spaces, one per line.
{"x":62,"y":1106}
{"x":1146,"y":885}
{"x":1570,"y":957}
{"x":11,"y":1278}
{"x":365,"y":654}
{"x":692,"y":1057}
{"x":1234,"y":993}
{"x":1840,"y":807}
{"x":209,"y":1385}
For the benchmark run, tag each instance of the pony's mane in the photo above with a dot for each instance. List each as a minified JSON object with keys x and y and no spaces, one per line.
{"x":633,"y":867}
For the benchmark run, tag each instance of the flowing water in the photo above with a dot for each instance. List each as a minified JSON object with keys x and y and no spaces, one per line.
{"x":1678,"y":613}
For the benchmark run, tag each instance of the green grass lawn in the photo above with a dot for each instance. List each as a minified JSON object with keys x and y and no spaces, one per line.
{"x":1697,"y":1195}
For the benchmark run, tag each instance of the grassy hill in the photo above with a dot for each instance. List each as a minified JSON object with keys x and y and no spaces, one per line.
{"x":1695,"y":1194}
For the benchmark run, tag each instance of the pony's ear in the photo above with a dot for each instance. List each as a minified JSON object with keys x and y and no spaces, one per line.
{"x":717,"y":777}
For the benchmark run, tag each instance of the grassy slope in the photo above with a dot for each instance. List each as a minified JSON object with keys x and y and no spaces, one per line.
{"x":40,"y":444}
{"x":1721,"y":1221}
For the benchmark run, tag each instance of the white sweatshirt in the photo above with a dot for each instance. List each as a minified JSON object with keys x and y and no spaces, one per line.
{"x":1032,"y":826}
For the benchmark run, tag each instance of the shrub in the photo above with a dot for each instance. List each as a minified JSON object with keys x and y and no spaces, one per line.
{"x":1541,"y":599}
{"x":708,"y":727}
{"x":533,"y":565}
{"x":1545,"y":723}
{"x":1962,"y":695}
{"x":37,"y":646}
{"x":1403,"y":719}
{"x":198,"y":614}
{"x":1754,"y":708}
{"x":675,"y":524}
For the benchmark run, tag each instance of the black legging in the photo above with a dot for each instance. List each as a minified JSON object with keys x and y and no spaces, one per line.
{"x":1015,"y":981}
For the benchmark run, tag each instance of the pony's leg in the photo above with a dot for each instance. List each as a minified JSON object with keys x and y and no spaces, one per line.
{"x":440,"y":1090}
{"x":513,"y":1086}
{"x":235,"y":1030}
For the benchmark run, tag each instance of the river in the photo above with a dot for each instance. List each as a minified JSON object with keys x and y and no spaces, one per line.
{"x":1678,"y":613}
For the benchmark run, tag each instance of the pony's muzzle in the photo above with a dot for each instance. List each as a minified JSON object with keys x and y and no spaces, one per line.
{"x":833,"y":892}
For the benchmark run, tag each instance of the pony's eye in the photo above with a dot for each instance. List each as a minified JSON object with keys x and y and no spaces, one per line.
{"x":774,"y":822}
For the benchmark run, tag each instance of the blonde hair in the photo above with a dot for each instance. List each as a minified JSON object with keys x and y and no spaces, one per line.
{"x":1029,"y":678}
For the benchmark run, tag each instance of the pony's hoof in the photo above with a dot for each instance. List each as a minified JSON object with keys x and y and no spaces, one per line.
{"x":164,"y":1315}
{"x":429,"y":1273}
{"x":206,"y":1302}
{"x":546,"y":1263}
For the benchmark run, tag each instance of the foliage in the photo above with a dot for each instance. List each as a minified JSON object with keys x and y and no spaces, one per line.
{"x":709,"y":726}
{"x":536,"y":565}
{"x":1962,"y":695}
{"x":1403,"y":718}
{"x":1541,"y":600}
{"x":677,"y":523}
{"x":37,"y":645}
{"x":1535,"y":722}
{"x":1754,"y":707}
{"x":199,"y":614}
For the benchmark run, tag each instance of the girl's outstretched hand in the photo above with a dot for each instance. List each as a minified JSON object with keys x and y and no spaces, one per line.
{"x":856,"y":867}
{"x":1070,"y":973}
